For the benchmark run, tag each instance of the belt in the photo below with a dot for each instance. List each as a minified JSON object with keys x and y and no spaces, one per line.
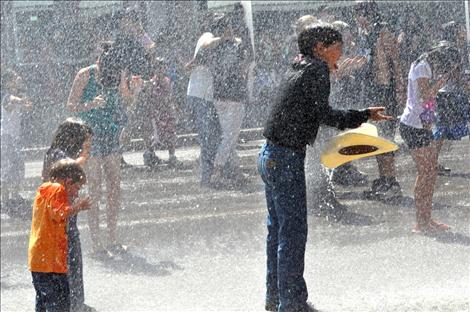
{"x":295,"y":149}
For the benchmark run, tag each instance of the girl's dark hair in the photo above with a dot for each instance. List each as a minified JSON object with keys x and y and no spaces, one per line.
{"x":442,"y":57}
{"x":68,"y":141}
{"x":70,"y":136}
{"x":317,"y":33}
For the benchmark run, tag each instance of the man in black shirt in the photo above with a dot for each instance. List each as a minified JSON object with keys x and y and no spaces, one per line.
{"x":300,"y":107}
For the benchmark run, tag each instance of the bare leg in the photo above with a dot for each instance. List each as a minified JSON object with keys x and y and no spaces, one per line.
{"x":112,"y":173}
{"x":426,"y":165}
{"x":439,"y":145}
{"x":94,"y":186}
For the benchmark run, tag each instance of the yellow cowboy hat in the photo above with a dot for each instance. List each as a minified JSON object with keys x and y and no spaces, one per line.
{"x":355,"y":144}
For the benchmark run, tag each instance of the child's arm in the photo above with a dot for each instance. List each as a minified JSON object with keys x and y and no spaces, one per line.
{"x":80,"y":204}
{"x":61,"y":209}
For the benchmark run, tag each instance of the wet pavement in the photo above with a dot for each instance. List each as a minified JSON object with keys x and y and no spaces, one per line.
{"x":196,"y":249}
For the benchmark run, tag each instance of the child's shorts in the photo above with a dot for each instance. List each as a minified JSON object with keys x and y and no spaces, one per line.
{"x":414,"y":137}
{"x":52,"y":291}
{"x":105,"y":144}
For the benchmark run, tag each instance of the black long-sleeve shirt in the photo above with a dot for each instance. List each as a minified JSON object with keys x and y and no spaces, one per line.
{"x":302,"y":105}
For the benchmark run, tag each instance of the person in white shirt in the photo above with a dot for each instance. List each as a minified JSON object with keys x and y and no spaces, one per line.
{"x":13,"y":106}
{"x":200,"y":100}
{"x":427,"y":75}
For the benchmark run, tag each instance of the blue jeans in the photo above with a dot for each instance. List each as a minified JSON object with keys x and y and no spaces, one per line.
{"x":209,"y":134}
{"x":283,"y":173}
{"x":75,"y":265}
{"x":52,"y":292}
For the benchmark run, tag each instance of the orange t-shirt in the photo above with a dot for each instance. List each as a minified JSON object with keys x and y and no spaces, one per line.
{"x":48,"y":239}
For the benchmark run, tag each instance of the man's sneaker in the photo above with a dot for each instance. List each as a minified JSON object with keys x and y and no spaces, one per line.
{"x":124,"y":164}
{"x":443,"y":171}
{"x":349,"y":175}
{"x":150,"y":159}
{"x":174,"y":163}
{"x":384,"y":188}
{"x":307,"y":307}
{"x":271,"y":306}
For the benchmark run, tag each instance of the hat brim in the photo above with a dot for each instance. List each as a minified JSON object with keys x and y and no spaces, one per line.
{"x":350,"y":146}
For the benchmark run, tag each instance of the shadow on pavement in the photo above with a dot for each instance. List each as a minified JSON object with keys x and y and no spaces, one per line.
{"x":348,"y":218}
{"x":357,"y":219}
{"x":12,"y":286}
{"x":129,"y":263}
{"x":451,"y":238}
{"x":397,"y":201}
{"x":457,"y":175}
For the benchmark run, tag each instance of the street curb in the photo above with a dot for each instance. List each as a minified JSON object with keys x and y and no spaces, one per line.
{"x":183,"y":140}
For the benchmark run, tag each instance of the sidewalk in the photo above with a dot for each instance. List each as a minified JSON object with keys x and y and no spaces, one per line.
{"x":183,"y":140}
{"x":188,"y":153}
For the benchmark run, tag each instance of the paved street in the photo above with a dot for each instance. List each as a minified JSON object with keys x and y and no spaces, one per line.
{"x":195,"y":249}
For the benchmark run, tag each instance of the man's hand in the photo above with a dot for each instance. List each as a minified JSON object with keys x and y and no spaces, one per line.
{"x":27,"y":104}
{"x":190,"y":65}
{"x":376,"y":114}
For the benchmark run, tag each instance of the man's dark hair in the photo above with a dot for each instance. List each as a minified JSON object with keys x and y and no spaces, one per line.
{"x":450,"y":31}
{"x":442,"y":57}
{"x":67,"y":169}
{"x":317,"y":33}
{"x":129,"y":13}
{"x":220,"y":23}
{"x":369,"y":10}
{"x":111,"y":65}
